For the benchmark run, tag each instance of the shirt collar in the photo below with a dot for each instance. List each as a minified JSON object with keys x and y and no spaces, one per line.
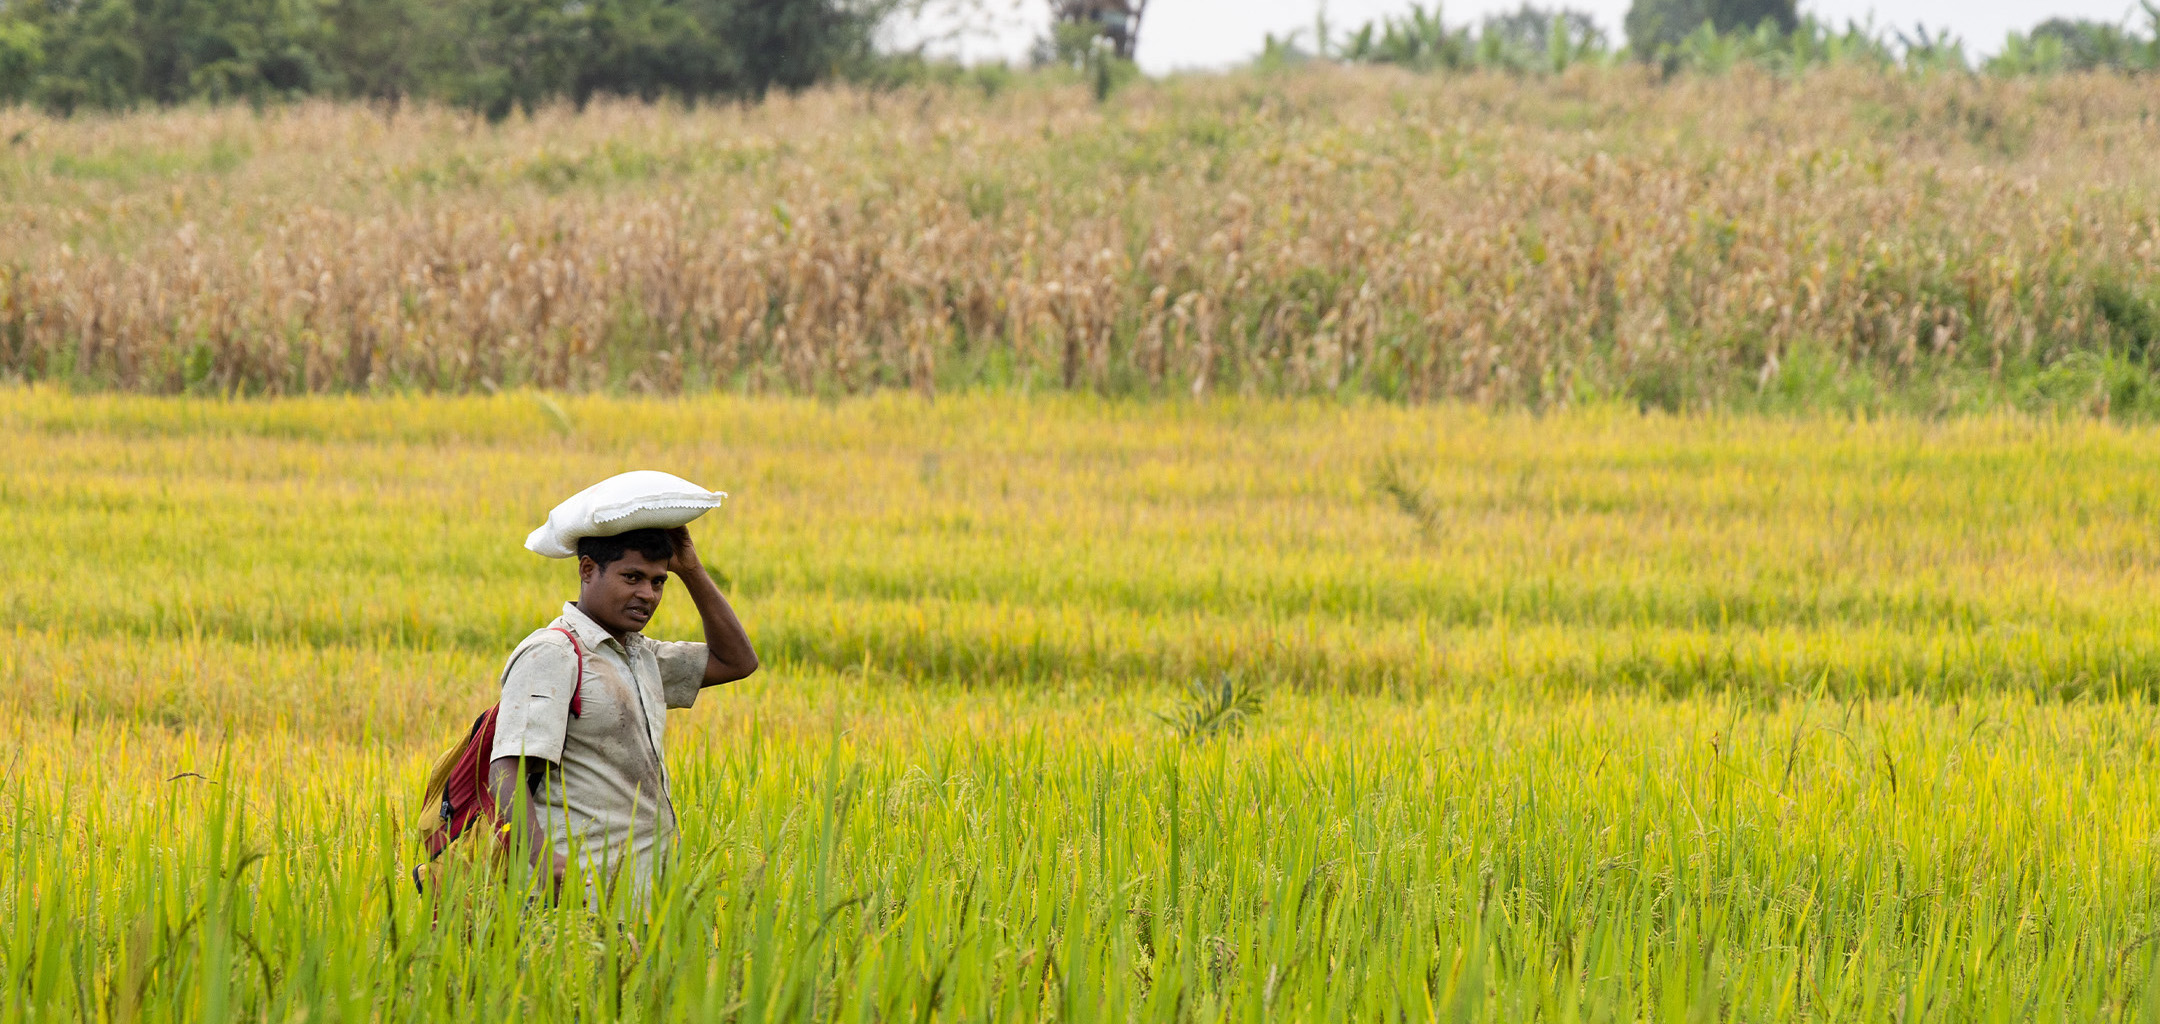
{"x":589,"y":633}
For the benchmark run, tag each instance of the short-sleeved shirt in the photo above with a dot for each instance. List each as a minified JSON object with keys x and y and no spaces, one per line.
{"x":605,"y":795}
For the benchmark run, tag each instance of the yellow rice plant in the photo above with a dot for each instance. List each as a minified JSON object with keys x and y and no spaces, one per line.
{"x":1582,"y":716}
{"x":993,"y":540}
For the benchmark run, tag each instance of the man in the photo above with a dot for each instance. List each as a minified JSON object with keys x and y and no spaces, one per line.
{"x":595,"y":786}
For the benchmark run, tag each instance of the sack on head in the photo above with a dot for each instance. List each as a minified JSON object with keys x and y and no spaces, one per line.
{"x":643,"y":499}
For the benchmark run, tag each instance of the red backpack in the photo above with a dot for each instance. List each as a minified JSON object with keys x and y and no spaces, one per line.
{"x":459,"y":779}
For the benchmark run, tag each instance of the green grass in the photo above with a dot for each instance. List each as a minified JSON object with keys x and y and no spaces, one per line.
{"x":857,"y":849}
{"x":1589,"y":716}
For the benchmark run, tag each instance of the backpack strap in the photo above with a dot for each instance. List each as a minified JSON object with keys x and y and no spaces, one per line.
{"x":577,"y":692}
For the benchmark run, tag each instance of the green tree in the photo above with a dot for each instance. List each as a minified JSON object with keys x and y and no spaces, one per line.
{"x":22,"y":57}
{"x":387,"y":50}
{"x":2090,"y":45}
{"x":495,"y":56}
{"x":1655,"y":27}
{"x":791,"y":44}
{"x":1418,"y":41}
{"x":514,"y":54}
{"x":94,"y":59}
{"x":651,"y":48}
{"x":1532,"y":37}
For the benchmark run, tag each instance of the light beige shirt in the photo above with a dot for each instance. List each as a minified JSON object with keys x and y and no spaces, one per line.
{"x":604,"y":797}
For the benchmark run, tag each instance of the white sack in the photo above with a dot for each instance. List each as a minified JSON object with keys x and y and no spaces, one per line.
{"x":632,"y":501}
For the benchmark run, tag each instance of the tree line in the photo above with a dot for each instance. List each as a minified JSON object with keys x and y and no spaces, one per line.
{"x":489,"y":55}
{"x":1714,"y":35}
{"x":497,"y":56}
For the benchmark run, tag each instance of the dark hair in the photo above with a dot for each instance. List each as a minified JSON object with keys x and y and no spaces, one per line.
{"x":605,"y":551}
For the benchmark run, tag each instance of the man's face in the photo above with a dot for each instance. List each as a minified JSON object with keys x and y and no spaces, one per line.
{"x":623,"y":596}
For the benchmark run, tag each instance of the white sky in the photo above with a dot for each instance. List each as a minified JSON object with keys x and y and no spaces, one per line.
{"x":1206,"y":34}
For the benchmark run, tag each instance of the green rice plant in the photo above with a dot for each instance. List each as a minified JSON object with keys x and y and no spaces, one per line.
{"x":1712,"y":717}
{"x":1394,"y":482}
{"x":951,"y":854}
{"x":1222,"y":708}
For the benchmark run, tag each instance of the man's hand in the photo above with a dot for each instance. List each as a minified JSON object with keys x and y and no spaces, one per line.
{"x":507,"y":782}
{"x":685,"y":563}
{"x":727,"y":647}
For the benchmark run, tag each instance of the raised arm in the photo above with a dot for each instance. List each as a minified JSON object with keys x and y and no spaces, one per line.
{"x":728,"y":656}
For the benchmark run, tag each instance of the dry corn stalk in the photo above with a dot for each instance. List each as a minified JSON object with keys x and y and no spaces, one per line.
{"x":1491,"y":239}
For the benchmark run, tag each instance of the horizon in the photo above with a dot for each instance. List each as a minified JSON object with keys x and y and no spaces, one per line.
{"x":1217,"y":35}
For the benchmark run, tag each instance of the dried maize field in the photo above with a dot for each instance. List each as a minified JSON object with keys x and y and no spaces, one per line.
{"x":1581,"y":715}
{"x":1847,"y":238}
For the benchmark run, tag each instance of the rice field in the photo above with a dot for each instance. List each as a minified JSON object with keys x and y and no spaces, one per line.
{"x":1588,"y":715}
